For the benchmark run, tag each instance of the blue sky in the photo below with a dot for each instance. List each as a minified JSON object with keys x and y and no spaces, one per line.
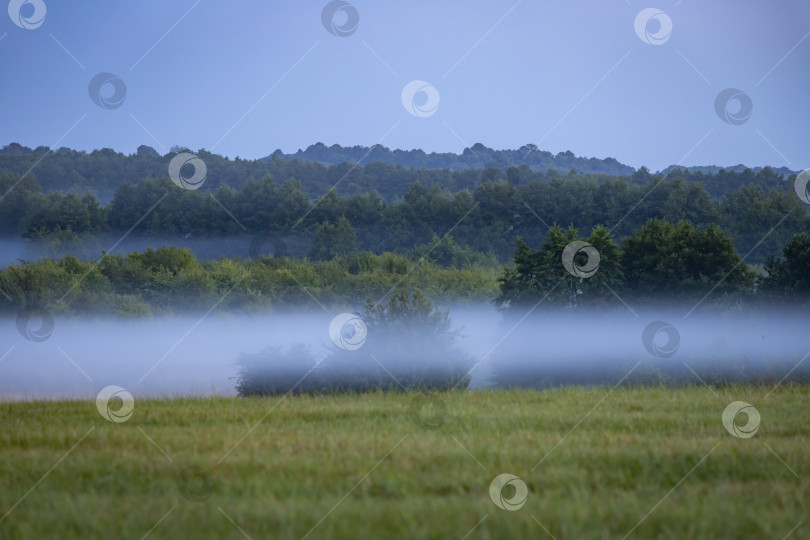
{"x":244,"y":78}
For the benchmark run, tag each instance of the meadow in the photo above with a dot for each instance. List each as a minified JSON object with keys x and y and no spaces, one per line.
{"x":625,"y":462}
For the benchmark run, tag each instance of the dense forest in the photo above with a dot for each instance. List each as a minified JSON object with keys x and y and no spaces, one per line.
{"x":379,"y":207}
{"x":310,"y":233}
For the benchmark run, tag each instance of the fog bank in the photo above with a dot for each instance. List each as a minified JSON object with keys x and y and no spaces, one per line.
{"x":197,"y":356}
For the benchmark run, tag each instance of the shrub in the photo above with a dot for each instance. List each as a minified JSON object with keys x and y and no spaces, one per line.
{"x":410,"y":346}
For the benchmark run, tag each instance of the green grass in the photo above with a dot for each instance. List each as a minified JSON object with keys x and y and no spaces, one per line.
{"x":363,"y":467}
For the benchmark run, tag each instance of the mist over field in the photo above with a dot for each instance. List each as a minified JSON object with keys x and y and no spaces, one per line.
{"x":404,"y":270}
{"x":189,"y":355}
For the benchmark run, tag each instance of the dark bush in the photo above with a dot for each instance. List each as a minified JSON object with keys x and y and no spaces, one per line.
{"x":410,"y":346}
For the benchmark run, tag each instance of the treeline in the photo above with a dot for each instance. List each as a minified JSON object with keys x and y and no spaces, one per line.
{"x":318,"y":168}
{"x":477,"y":156}
{"x":103,"y":171}
{"x":661,"y":263}
{"x":171,"y":280}
{"x":486,"y":219}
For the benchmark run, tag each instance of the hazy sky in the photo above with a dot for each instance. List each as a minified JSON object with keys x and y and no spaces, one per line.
{"x":244,"y":78}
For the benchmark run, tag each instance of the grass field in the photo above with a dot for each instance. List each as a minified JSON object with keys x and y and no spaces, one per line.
{"x":638,"y":462}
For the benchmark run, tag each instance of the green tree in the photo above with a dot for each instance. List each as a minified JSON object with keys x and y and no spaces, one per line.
{"x":332,"y":240}
{"x":788,"y":278}
{"x":681,"y":263}
{"x":541,"y":277}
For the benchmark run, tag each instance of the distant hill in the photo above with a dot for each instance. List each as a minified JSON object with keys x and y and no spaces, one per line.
{"x":477,"y":156}
{"x":354,"y":170}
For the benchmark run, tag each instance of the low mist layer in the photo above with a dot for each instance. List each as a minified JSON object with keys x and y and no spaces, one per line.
{"x":200,"y":356}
